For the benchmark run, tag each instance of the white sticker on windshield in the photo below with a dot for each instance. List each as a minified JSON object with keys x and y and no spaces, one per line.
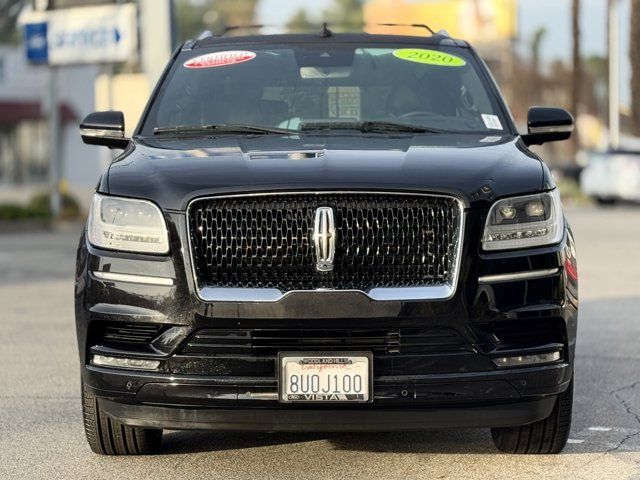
{"x":220,"y":59}
{"x":492,"y":121}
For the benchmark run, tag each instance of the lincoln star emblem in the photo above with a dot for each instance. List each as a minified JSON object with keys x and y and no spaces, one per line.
{"x":324,"y":237}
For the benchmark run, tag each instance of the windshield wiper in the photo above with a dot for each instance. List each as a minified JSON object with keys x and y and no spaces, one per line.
{"x":223,"y":128}
{"x":369,"y":127}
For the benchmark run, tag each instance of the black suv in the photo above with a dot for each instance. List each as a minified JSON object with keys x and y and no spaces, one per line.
{"x":326,"y":232}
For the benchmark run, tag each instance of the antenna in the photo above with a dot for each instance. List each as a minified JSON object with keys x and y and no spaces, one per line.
{"x":325,"y":32}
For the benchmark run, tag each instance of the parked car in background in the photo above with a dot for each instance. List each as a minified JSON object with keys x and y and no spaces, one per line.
{"x":610,"y":177}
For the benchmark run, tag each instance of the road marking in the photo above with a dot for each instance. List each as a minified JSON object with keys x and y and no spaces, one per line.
{"x":600,"y":429}
{"x":573,"y":440}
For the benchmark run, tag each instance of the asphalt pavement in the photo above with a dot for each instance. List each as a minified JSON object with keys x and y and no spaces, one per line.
{"x":41,"y":432}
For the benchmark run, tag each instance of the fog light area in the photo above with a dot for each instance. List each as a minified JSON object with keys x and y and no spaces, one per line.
{"x":523,"y":360}
{"x":132,"y":363}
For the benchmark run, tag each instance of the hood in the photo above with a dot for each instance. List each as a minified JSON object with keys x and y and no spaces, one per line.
{"x":476,"y":169}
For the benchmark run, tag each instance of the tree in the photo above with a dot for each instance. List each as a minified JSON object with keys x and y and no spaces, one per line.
{"x":195,"y":17}
{"x":346,"y":14}
{"x":536,"y":43}
{"x":634,"y":53}
{"x":9,"y":11}
{"x":299,"y":22}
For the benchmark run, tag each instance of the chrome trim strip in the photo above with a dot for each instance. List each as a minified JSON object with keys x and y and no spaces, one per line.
{"x":128,"y":312}
{"x":439,"y":292}
{"x":552,"y":129}
{"x":129,"y":278}
{"x":270,"y":295}
{"x":258,"y":395}
{"x":512,"y":277}
{"x":105,"y":133}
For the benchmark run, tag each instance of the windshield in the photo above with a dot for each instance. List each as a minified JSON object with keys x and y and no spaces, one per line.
{"x":309,"y":88}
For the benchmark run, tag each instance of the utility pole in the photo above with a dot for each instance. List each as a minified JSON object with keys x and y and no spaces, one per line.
{"x":614,"y":76}
{"x":55,"y":163}
{"x":576,"y":78}
{"x":156,"y":32}
{"x":634,"y":58}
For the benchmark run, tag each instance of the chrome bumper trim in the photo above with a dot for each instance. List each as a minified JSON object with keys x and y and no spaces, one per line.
{"x":212,"y":294}
{"x":129,"y":278}
{"x":512,"y":277}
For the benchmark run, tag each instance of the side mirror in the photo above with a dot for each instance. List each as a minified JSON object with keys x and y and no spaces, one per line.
{"x":104,"y":128}
{"x":547,"y":124}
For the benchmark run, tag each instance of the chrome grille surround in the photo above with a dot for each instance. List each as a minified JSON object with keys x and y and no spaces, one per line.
{"x":441,"y":285}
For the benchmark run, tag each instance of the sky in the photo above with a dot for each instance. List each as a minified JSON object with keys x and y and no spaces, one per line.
{"x":555,"y":15}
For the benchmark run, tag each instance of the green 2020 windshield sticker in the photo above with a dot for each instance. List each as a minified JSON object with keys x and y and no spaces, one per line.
{"x":429,"y":57}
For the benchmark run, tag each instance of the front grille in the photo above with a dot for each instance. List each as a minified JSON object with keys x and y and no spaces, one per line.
{"x":382,"y":240}
{"x":268,"y":342}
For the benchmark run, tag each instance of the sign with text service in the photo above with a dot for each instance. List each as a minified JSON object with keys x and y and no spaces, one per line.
{"x":103,"y":34}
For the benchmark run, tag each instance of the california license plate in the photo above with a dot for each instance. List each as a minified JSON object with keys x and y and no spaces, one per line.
{"x":325,"y":377}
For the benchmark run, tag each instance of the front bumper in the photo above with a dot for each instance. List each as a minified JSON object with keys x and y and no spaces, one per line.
{"x":427,"y":389}
{"x":299,"y":420}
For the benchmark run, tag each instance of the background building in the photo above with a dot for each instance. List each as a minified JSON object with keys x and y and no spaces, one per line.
{"x":24,"y":133}
{"x":542,"y":52}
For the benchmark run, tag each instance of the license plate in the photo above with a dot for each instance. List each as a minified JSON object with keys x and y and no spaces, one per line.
{"x":330,"y":377}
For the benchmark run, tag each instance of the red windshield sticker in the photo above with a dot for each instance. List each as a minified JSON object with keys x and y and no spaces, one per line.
{"x":220,"y":59}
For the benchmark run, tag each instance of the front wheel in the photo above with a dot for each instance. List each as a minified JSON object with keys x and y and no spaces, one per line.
{"x":546,"y":436}
{"x":107,"y":436}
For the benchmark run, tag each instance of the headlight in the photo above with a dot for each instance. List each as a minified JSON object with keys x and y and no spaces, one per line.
{"x":127,"y":225}
{"x":521,"y":222}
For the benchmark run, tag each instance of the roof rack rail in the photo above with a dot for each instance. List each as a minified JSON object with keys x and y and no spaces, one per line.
{"x":324,"y":32}
{"x":413,"y":25}
{"x":231,"y":28}
{"x":324,"y":29}
{"x":205,"y":34}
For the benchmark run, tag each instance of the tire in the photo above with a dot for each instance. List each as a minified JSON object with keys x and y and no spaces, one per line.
{"x":546,"y":436}
{"x":107,"y":436}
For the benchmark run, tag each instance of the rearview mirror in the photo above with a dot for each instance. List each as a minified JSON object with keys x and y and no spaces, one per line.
{"x":104,"y":128}
{"x":547,"y":124}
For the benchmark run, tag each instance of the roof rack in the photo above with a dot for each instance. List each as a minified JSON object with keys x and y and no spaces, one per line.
{"x":324,"y":31}
{"x":231,"y":28}
{"x":413,"y":25}
{"x":205,"y":34}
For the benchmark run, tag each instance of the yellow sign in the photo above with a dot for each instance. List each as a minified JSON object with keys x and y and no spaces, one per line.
{"x":479,"y":21}
{"x":430,"y":57}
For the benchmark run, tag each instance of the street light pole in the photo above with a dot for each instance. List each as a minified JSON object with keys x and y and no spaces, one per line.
{"x":614,"y":76}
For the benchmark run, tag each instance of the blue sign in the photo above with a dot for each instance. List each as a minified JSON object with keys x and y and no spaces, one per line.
{"x":105,"y":34}
{"x":35,"y":35}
